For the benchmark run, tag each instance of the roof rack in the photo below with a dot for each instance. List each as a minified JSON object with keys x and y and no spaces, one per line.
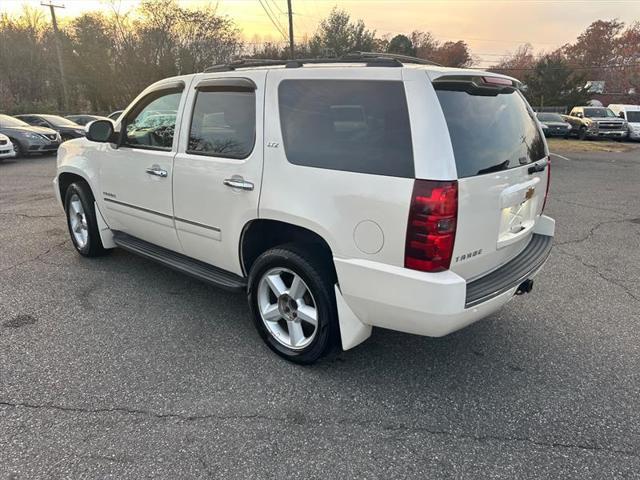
{"x":370,"y":59}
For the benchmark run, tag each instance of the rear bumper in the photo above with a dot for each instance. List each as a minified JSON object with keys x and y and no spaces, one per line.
{"x":436,"y":304}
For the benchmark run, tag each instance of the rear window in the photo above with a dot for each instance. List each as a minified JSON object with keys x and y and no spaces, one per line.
{"x":550,"y":117}
{"x":350,"y":125}
{"x":490,"y":133}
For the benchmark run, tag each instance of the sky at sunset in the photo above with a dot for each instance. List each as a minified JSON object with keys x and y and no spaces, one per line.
{"x":491,"y":28}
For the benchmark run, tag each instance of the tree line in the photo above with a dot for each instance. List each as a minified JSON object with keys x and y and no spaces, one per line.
{"x":109,"y":57}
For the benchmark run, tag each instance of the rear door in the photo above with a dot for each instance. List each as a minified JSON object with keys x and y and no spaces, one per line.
{"x":501,"y":161}
{"x":218,"y":168}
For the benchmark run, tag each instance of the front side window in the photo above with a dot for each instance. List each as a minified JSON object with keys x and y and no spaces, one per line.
{"x":223,"y":123}
{"x":349,"y":125}
{"x":151,"y":124}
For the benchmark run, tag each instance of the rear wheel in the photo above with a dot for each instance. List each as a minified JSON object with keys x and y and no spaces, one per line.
{"x":291,"y":295}
{"x":81,"y":220}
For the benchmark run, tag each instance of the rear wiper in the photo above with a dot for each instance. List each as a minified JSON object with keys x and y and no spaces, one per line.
{"x":495,"y":168}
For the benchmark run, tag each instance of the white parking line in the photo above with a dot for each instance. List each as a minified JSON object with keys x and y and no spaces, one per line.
{"x":559,"y":156}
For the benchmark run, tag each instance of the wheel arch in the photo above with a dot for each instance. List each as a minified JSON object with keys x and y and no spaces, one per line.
{"x":66,"y":178}
{"x":260,"y":235}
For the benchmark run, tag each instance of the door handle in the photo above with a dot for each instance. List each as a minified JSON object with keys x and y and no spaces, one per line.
{"x":157,"y":171}
{"x":238,"y":182}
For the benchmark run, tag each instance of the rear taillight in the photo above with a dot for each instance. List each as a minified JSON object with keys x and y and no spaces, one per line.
{"x":546,"y":193}
{"x":431,"y":229}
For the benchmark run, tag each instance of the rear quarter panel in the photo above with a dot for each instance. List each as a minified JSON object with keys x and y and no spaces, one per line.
{"x":337,"y":205}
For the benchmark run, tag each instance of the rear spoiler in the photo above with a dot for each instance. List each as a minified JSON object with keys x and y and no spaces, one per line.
{"x":485,"y":85}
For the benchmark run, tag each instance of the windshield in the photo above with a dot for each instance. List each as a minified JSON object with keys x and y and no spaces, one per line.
{"x":633,"y":117}
{"x":7,"y":121}
{"x":549,"y":117}
{"x":59,"y":121}
{"x":490,"y":133}
{"x":598,"y":112}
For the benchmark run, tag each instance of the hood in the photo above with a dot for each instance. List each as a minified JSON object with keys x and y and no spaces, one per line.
{"x":32,"y":129}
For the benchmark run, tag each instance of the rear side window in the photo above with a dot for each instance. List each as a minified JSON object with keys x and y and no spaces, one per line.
{"x":223,"y":124}
{"x":490,"y":133}
{"x":350,"y":125}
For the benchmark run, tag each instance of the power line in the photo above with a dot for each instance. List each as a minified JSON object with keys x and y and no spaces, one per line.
{"x":276,"y":5}
{"x":275,"y":24}
{"x":52,"y":7}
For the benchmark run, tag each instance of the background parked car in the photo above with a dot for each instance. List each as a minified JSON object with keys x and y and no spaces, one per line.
{"x":83,"y":119}
{"x":630,"y":113}
{"x":114,"y":115}
{"x":6,"y":148}
{"x":66,"y":128}
{"x":29,"y":139}
{"x":593,"y":122}
{"x":553,"y":125}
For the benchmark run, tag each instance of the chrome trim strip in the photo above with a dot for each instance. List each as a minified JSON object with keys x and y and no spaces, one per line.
{"x":190,"y":222}
{"x":137,"y":208}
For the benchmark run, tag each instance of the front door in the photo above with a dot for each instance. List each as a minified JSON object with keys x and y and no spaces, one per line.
{"x":136,"y":178}
{"x":218,"y":168}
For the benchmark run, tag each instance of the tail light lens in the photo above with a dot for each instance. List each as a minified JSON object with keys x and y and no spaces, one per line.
{"x":546,"y":193}
{"x":431,"y":229}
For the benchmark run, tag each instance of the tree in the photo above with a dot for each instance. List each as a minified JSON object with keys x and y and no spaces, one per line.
{"x":425,"y":44}
{"x":454,"y":54}
{"x":449,"y":54}
{"x":402,"y":45}
{"x":552,"y":82}
{"x":337,"y":36}
{"x":518,"y":63}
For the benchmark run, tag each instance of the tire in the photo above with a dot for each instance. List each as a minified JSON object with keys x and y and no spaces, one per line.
{"x":307,"y":343}
{"x":81,"y":220}
{"x":582,"y":133}
{"x":18,"y":149}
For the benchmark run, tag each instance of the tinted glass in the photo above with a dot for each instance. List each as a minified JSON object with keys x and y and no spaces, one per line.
{"x":357,"y":126}
{"x":598,"y":112}
{"x":7,"y":121}
{"x":223,"y":124}
{"x":633,"y":116}
{"x":490,"y":133}
{"x":59,"y":121}
{"x":152,"y":123}
{"x":550,"y":117}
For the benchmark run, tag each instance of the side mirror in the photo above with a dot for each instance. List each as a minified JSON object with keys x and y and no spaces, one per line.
{"x":100,"y":131}
{"x":621,"y":115}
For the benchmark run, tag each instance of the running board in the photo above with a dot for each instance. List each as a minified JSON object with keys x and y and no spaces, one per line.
{"x":181,"y":263}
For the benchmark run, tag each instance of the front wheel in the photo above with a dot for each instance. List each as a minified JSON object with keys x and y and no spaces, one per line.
{"x":81,"y":220}
{"x":292,"y":299}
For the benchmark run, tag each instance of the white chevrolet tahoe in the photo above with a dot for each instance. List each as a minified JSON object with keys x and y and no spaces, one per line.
{"x":371,"y":191}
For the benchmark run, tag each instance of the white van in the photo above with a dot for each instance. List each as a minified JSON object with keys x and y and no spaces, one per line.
{"x":631,"y":113}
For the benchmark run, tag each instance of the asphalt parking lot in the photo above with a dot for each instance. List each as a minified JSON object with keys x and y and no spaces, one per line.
{"x":120,"y":368}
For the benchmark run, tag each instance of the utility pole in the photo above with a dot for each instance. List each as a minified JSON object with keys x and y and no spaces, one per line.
{"x":56,"y":34}
{"x":290,"y":29}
